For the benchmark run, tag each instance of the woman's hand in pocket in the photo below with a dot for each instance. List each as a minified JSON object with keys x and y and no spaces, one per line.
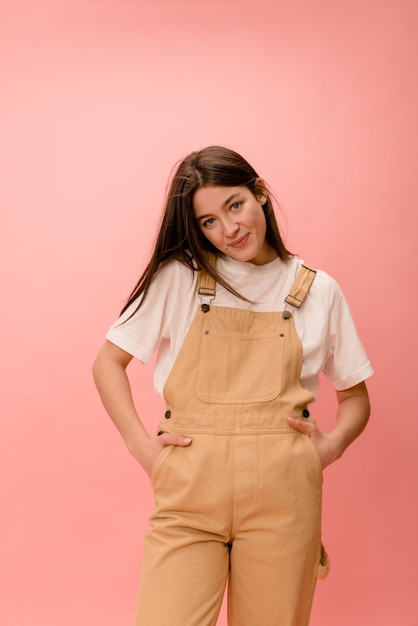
{"x":148,"y":452}
{"x":323,"y":442}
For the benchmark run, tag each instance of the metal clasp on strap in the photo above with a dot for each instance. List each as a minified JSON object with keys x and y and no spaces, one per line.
{"x":206,"y":300}
{"x":207,"y":285}
{"x":286,"y":313}
{"x":206,"y":291}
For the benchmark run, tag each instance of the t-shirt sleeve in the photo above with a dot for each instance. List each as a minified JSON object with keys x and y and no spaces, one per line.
{"x":139,"y":332}
{"x":347,"y":363}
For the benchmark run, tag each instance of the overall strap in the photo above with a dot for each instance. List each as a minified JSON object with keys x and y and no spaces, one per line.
{"x":207,"y":285}
{"x":297,"y":294}
{"x":299,"y":290}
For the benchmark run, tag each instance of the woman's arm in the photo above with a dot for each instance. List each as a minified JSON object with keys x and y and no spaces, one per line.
{"x":109,"y":372}
{"x":352,"y":417}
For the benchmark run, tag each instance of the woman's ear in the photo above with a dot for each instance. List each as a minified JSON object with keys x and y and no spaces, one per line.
{"x":261,"y":191}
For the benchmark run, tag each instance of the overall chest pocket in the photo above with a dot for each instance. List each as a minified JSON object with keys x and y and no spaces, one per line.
{"x":240,"y":367}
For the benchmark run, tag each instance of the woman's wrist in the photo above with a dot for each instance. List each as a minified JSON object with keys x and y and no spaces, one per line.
{"x":137,"y":444}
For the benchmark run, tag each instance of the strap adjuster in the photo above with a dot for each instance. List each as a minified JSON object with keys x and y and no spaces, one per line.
{"x":299,"y":290}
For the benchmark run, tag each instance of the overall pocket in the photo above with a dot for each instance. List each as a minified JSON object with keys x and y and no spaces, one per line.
{"x":314,"y":452}
{"x":239,"y":367}
{"x":158,"y":462}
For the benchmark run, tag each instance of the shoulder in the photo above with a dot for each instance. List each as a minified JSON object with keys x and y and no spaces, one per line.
{"x":323,"y":283}
{"x":325,"y":293}
{"x":172,"y":282}
{"x":174,"y":273}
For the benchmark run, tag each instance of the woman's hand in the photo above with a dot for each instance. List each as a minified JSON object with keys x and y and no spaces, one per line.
{"x":322,"y":441}
{"x":148,"y":451}
{"x":352,"y":417}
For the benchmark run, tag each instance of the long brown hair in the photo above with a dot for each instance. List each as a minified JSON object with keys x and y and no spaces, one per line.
{"x":180,"y":237}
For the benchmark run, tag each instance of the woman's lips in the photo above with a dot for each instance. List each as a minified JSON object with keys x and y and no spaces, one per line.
{"x":239,"y":242}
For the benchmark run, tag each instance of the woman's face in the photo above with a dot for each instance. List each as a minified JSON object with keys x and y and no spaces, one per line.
{"x":232,"y":219}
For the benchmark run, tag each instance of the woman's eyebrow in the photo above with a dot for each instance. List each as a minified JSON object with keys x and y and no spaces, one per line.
{"x":228,"y":200}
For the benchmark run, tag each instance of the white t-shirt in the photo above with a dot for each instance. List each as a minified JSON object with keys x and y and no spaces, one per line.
{"x":324,"y":322}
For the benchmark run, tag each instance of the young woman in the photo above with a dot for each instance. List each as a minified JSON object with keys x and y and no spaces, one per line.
{"x":242,"y":328}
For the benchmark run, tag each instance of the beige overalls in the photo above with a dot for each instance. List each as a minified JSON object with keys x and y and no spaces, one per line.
{"x":242,"y":503}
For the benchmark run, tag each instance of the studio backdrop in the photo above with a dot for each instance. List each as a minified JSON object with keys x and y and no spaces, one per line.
{"x":99,"y":100}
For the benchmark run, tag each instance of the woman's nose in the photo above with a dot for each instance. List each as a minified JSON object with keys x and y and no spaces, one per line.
{"x":230,"y":227}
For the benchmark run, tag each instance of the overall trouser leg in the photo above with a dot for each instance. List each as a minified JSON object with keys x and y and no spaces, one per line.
{"x":277,"y":538}
{"x":186,"y":552}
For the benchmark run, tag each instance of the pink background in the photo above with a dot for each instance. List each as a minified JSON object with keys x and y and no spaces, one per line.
{"x":99,"y":100}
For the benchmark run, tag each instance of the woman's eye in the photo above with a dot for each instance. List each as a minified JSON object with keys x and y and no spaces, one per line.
{"x":236,"y":206}
{"x":209,"y":222}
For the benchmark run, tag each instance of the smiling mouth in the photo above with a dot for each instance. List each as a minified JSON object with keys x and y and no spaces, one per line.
{"x":239,"y":242}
